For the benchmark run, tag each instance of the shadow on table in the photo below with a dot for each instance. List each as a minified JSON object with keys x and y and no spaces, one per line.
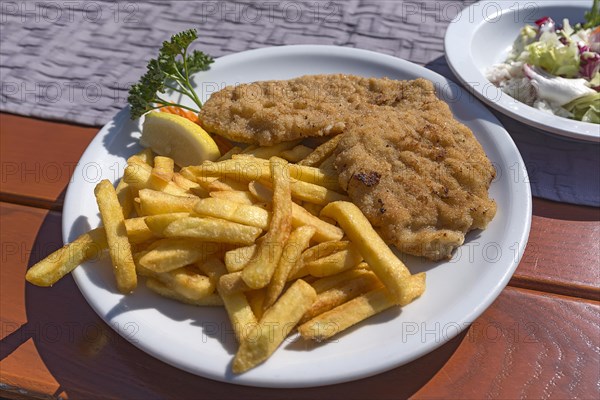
{"x":558,"y":168}
{"x":90,"y":360}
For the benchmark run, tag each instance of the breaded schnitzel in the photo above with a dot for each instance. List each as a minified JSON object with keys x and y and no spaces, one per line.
{"x":421,"y":178}
{"x":418,"y":175}
{"x":270,"y":112}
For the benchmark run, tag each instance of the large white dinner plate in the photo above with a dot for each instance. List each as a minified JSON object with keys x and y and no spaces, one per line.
{"x":482,"y":35}
{"x":200,"y":340}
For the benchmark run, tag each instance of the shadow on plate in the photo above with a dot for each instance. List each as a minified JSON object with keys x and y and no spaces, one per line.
{"x":121,"y":139}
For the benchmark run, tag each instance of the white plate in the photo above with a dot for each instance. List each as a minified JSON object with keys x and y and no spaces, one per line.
{"x":200,"y":340}
{"x":482,"y":35}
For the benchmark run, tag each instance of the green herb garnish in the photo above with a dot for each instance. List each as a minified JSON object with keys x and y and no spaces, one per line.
{"x":170,"y":71}
{"x":593,"y":16}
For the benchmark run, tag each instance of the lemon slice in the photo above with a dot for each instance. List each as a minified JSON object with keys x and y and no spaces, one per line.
{"x":179,"y":138}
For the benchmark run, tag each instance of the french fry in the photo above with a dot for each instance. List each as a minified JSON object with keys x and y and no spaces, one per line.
{"x":301,"y":173}
{"x":138,"y":175}
{"x":315,"y":194}
{"x":320,"y":250}
{"x":125,"y":196}
{"x":160,"y":288}
{"x":231,"y":152}
{"x":324,"y":249}
{"x":86,"y":247}
{"x":298,"y":271}
{"x":335,"y":263}
{"x":135,"y":193}
{"x":240,"y":169}
{"x":138,"y":231}
{"x":256,"y":299}
{"x":274,"y":326}
{"x":189,"y":186}
{"x":316,"y":176}
{"x":314,"y":209}
{"x":338,"y":295}
{"x":233,"y":211}
{"x":296,"y":154}
{"x":261,"y":192}
{"x":267,"y":152}
{"x":145,"y":155}
{"x":58,"y":264}
{"x":322,"y":152}
{"x":240,"y":313}
{"x":187,"y":282}
{"x":153,"y":202}
{"x":187,"y":174}
{"x":233,"y":283}
{"x":116,"y":236}
{"x":342,"y":317}
{"x":323,"y":284}
{"x":328,"y":166}
{"x":203,"y":181}
{"x":212,"y":230}
{"x":403,"y":286}
{"x":168,"y":254}
{"x":158,"y":223}
{"x":236,"y":259}
{"x":249,"y":149}
{"x":310,"y":192}
{"x":226,"y":184}
{"x":257,"y":274}
{"x":325,"y":231}
{"x":242,"y":197}
{"x":297,"y":242}
{"x":311,"y":183}
{"x":214,"y":269}
{"x":163,"y":170}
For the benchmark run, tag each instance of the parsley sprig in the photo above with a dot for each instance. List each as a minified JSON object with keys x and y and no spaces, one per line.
{"x":170,"y":71}
{"x":593,"y":16}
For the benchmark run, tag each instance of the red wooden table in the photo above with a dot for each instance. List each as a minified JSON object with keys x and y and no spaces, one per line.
{"x":539,"y":339}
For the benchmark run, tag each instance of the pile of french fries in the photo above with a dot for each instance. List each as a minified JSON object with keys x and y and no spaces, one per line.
{"x":266,"y":232}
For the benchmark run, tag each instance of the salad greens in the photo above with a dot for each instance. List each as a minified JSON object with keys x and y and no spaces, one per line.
{"x":170,"y":71}
{"x":556,"y":67}
{"x":586,"y":108}
{"x":557,"y":60}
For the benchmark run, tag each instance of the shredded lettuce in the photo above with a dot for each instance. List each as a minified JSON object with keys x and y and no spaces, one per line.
{"x":586,"y":108}
{"x":595,"y":81}
{"x":554,"y":57}
{"x":526,"y":37}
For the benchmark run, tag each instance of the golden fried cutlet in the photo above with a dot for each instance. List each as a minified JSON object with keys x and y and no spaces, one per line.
{"x":419,"y":176}
{"x":270,"y":112}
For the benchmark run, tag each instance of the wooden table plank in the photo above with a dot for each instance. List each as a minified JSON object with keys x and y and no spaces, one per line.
{"x":37,"y":383}
{"x":527,"y":353}
{"x":526,"y":343}
{"x":563,"y":252}
{"x":38,"y":159}
{"x":22,"y":236}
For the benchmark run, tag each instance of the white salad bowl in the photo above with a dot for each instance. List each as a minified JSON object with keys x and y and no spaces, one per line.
{"x":482,"y":35}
